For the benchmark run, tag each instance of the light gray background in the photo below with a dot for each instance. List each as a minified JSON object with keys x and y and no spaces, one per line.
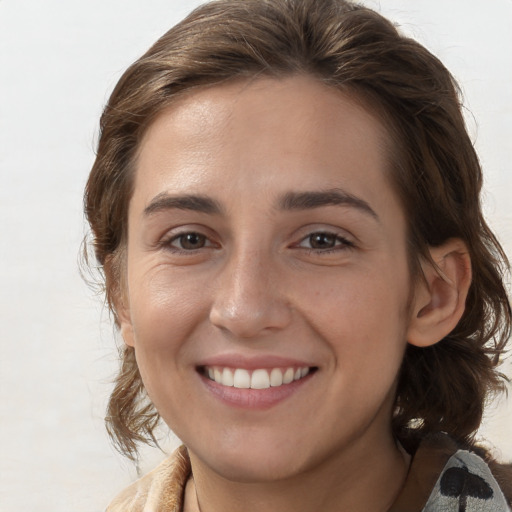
{"x":58,"y":62}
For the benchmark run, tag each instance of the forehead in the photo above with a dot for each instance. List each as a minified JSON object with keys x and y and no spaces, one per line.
{"x":296,"y":97}
{"x":294,"y":132}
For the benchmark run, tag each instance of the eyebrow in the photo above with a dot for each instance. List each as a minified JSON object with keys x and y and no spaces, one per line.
{"x":197,"y":203}
{"x":288,"y":202}
{"x":311,"y":200}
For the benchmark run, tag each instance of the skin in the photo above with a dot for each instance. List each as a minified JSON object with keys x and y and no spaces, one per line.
{"x":258,"y":282}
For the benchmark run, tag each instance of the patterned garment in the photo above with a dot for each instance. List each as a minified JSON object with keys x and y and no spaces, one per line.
{"x":466,"y":485}
{"x":442,"y":478}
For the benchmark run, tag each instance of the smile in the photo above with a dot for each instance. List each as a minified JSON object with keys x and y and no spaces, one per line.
{"x":255,"y":379}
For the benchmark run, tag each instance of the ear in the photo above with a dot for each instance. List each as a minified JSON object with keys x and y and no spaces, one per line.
{"x":440,"y":297}
{"x":125,"y":324}
{"x":117,"y":294}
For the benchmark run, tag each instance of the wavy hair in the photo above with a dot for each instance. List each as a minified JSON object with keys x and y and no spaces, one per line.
{"x":435,"y":172}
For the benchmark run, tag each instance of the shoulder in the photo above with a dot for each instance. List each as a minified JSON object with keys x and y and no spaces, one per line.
{"x":161,"y":489}
{"x":446,"y":477}
{"x":467,"y":483}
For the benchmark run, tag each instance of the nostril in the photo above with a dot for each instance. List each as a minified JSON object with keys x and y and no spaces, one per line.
{"x":252,"y":317}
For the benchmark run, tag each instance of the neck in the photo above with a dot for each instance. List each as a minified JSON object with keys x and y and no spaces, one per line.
{"x":340,"y":483}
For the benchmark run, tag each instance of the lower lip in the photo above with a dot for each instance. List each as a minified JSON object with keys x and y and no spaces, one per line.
{"x":257,"y":399}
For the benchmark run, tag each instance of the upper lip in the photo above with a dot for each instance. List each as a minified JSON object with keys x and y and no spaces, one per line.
{"x":253,"y":362}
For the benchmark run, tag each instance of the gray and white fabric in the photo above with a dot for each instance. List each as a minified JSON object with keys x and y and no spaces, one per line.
{"x":466,"y":484}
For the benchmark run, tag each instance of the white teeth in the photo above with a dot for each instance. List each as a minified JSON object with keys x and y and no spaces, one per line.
{"x":242,"y":379}
{"x":227,"y":377}
{"x":288,"y":376}
{"x":258,"y":379}
{"x":276,"y":377}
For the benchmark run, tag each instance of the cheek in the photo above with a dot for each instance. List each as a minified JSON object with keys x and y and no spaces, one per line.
{"x":162,"y":298}
{"x":165,"y":312}
{"x":356,"y":312}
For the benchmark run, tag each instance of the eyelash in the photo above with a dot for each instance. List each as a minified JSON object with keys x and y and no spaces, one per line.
{"x":168,"y":242}
{"x":340,"y":243}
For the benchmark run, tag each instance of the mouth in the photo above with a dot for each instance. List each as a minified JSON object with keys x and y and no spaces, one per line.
{"x":261,"y":378}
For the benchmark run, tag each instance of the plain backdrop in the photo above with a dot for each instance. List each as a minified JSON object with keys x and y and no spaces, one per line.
{"x":58,"y":62}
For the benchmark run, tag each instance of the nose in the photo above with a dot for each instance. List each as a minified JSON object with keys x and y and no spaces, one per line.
{"x":247,"y":300}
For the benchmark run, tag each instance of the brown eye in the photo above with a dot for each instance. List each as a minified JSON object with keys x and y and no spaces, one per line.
{"x":189,"y":241}
{"x":322,"y":240}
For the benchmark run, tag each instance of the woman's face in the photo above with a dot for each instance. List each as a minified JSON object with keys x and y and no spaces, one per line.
{"x":266,"y":245}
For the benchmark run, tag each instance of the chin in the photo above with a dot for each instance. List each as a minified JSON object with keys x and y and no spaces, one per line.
{"x":257,"y":460}
{"x":245,"y":468}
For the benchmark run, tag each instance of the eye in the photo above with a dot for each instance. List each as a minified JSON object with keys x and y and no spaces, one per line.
{"x":325,"y":241}
{"x":322,"y":240}
{"x":189,"y":241}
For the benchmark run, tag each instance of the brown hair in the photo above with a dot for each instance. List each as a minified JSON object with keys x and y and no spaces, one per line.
{"x":435,"y":171}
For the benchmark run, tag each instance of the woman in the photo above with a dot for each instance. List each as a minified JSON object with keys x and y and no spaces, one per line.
{"x":285,"y":206}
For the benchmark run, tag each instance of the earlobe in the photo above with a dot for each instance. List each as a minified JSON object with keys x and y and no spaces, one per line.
{"x":124,"y":321}
{"x":126,"y":329}
{"x":440,"y":297}
{"x":115,"y":268}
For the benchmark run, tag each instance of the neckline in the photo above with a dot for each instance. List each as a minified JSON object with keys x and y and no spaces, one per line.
{"x":427,"y":463}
